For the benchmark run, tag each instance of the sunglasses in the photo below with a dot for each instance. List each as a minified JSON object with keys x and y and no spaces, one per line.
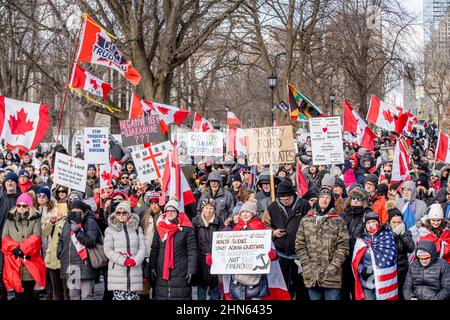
{"x":41,"y":195}
{"x":357,"y":199}
{"x":22,"y":206}
{"x":62,"y":191}
{"x":74,"y":198}
{"x":118,"y":199}
{"x":202,"y":183}
{"x":125,"y":177}
{"x":121,"y":213}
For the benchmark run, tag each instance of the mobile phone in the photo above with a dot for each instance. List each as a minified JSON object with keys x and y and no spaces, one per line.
{"x":283,"y":230}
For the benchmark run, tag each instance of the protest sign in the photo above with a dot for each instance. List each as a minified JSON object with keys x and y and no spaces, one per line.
{"x":241,"y":252}
{"x":96,"y":145}
{"x":70,"y":172}
{"x":326,"y":140}
{"x":140,"y":130}
{"x":205,"y":144}
{"x":150,"y":161}
{"x":270,"y":145}
{"x":181,"y":136}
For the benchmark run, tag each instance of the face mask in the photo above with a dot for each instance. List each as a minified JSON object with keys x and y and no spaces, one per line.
{"x":388,"y":176}
{"x":373,"y":228}
{"x":74,"y":216}
{"x":421,"y":194}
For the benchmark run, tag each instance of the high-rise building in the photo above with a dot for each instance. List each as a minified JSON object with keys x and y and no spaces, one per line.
{"x":433,"y":13}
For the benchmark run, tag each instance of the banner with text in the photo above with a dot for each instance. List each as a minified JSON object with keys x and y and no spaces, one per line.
{"x":270,"y":145}
{"x":70,"y":172}
{"x":150,"y":161}
{"x":140,"y":130}
{"x":326,"y":140}
{"x":96,"y":145}
{"x":241,"y":252}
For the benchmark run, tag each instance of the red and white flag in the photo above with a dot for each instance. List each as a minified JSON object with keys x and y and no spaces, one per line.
{"x":405,"y":122}
{"x":97,"y":47}
{"x":81,"y":79}
{"x":233,"y":120}
{"x":201,"y":124}
{"x":167,"y":114}
{"x":23,"y":125}
{"x":400,"y":166}
{"x":382,"y":114}
{"x":355,"y":124}
{"x":443,"y":148}
{"x":109,"y":171}
{"x":236,"y":141}
{"x":302,"y":185}
{"x":174,"y":182}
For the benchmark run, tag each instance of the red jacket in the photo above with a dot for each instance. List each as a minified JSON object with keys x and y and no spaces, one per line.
{"x":25,"y":186}
{"x":31,"y":246}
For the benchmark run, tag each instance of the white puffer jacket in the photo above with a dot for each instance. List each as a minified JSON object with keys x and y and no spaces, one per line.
{"x":119,"y":240}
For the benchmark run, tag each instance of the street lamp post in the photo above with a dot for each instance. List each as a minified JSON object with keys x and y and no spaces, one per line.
{"x":272,"y":81}
{"x":332,"y":100}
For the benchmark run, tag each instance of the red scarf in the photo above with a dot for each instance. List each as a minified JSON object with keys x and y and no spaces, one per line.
{"x":254,"y":224}
{"x":166,"y":231}
{"x":81,"y":249}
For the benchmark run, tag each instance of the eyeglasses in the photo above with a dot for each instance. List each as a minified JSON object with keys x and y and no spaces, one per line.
{"x":74,"y":198}
{"x":171,"y":211}
{"x":62,"y":191}
{"x":125,"y":177}
{"x":121,"y":213}
{"x":118,"y":199}
{"x":41,"y":195}
{"x":22,"y":206}
{"x":357,"y":199}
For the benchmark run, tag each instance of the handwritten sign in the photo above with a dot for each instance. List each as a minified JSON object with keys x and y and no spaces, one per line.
{"x":96,"y":145}
{"x":241,"y":252}
{"x":205,"y":144}
{"x":326,"y":140}
{"x":140,"y":130}
{"x":150,"y":161}
{"x":270,"y":145}
{"x":70,"y":172}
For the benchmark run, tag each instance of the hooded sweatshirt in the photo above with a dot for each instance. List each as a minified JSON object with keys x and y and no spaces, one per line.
{"x":418,"y":206}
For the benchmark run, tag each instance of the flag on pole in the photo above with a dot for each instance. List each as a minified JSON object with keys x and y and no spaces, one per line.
{"x":201,"y":124}
{"x":355,"y":124}
{"x":300,"y":105}
{"x":97,"y":47}
{"x":443,"y":148}
{"x":382,"y":114}
{"x":302,"y":185}
{"x":400,"y":166}
{"x":81,"y":79}
{"x":233,"y":120}
{"x":405,"y":122}
{"x":23,"y":125}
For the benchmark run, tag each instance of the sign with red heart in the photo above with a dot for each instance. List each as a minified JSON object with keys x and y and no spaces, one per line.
{"x":326,"y":140}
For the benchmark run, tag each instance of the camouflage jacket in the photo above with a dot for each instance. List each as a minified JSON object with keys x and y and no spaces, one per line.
{"x":322,"y":245}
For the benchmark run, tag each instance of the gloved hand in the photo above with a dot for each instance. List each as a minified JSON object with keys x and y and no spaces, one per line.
{"x":18,"y":253}
{"x":208,"y":259}
{"x":130,"y":262}
{"x":400,"y":229}
{"x":273,"y":255}
{"x":153,"y":275}
{"x":189,"y":278}
{"x":366,"y":272}
{"x":74,"y":226}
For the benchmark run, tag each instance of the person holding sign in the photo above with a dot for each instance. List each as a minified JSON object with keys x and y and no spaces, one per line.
{"x":322,"y":246}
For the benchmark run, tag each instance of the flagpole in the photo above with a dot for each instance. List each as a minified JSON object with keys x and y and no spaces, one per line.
{"x":77,"y":41}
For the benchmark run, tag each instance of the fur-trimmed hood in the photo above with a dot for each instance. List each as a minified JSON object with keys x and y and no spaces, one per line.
{"x":132,"y":224}
{"x":32,"y":215}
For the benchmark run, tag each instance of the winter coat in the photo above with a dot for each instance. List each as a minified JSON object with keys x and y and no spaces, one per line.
{"x":378,"y":206}
{"x":278,"y":217}
{"x":53,"y":232}
{"x":405,"y":245}
{"x":123,"y":241}
{"x":264,"y":200}
{"x":88,"y":236}
{"x":419,"y":207}
{"x":224,"y":199}
{"x":185,"y":262}
{"x":148,"y":224}
{"x":204,"y":236}
{"x":322,"y":245}
{"x":91,"y":185}
{"x":428,"y":283}
{"x":19,"y":228}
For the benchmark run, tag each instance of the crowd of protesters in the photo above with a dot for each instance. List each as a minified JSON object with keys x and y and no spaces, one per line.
{"x":163,"y":252}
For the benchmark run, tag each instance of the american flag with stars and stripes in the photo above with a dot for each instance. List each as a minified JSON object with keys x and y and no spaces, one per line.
{"x":383,"y":252}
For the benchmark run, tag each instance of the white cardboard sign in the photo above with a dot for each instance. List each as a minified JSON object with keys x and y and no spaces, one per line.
{"x":70,"y":172}
{"x":326,"y":140}
{"x":96,"y":145}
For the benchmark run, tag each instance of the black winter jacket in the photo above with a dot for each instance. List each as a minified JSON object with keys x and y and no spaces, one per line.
{"x":405,"y":244}
{"x":204,"y":237}
{"x":431,"y":282}
{"x":185,"y":262}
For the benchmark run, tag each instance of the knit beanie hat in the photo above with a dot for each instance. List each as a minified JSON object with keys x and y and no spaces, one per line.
{"x":125,"y":206}
{"x":208,"y":201}
{"x":44,"y":190}
{"x":328,"y":180}
{"x":359,"y":193}
{"x":325,"y":192}
{"x":23,"y":172}
{"x":392,"y":210}
{"x":91,"y":165}
{"x":25,"y":198}
{"x":250,"y":205}
{"x":382,"y":189}
{"x":79,"y":204}
{"x":172,"y":203}
{"x":370,"y":215}
{"x":372,"y":178}
{"x":285,"y":188}
{"x":310,"y":194}
{"x":12,"y":176}
{"x":423,"y":181}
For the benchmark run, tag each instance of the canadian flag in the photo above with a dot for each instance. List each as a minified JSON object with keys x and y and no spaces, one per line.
{"x":443,"y":149}
{"x":23,"y":124}
{"x":355,"y":124}
{"x":167,"y":114}
{"x":236,"y":141}
{"x":233,"y":120}
{"x":109,"y":172}
{"x":81,"y":79}
{"x":382,"y":114}
{"x":174,"y":182}
{"x":201,"y":124}
{"x":400,"y":166}
{"x":405,"y":122}
{"x":97,"y":47}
